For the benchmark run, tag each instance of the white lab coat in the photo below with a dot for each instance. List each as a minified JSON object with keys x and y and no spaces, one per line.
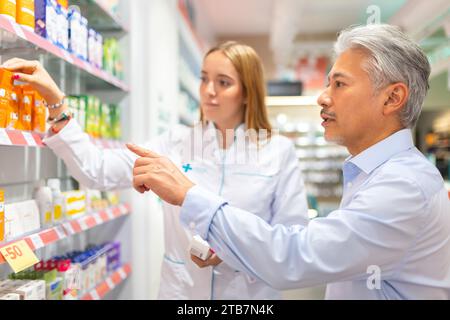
{"x":271,"y":188}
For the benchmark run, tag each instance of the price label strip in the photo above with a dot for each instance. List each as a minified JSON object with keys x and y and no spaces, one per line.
{"x":19,"y":255}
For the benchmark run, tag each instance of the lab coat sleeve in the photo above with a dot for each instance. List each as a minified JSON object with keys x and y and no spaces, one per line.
{"x":93,"y":167}
{"x":371,"y":231}
{"x":289,"y":205}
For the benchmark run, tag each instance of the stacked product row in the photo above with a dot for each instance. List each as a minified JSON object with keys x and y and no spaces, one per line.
{"x":66,"y":277}
{"x":49,"y":207}
{"x":66,"y":28}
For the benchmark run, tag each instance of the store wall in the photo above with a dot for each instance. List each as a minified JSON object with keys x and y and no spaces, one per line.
{"x":154,"y":86}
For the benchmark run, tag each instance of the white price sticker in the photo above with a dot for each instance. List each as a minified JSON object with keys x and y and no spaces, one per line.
{"x":97,"y":219}
{"x":69,"y":228}
{"x":18,"y":30}
{"x":122,"y":274}
{"x":37,"y":241}
{"x":60,"y":233}
{"x":29,"y":139}
{"x":110,"y":214}
{"x":4,"y":139}
{"x":110,"y":283}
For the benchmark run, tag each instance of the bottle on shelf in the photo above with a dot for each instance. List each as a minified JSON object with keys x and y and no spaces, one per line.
{"x":44,"y":197}
{"x":58,"y":200}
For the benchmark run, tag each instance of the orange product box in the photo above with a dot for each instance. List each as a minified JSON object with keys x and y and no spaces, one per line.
{"x":25,"y":13}
{"x":8,"y":9}
{"x":26,"y":107}
{"x":5,"y":92}
{"x":14,"y":106}
{"x":39,"y":114}
{"x":7,"y":119}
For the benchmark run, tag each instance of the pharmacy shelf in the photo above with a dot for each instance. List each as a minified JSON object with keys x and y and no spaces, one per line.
{"x":32,"y":139}
{"x":109,"y":284}
{"x":20,"y":138}
{"x":51,"y":235}
{"x":22,"y":38}
{"x":99,"y":15}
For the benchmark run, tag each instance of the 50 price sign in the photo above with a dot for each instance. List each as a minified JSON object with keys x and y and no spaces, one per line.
{"x":19,"y":255}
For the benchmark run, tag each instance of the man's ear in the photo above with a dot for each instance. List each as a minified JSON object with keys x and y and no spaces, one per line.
{"x":395,"y":98}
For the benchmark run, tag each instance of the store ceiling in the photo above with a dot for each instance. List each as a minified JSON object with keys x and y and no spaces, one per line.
{"x":295,"y":27}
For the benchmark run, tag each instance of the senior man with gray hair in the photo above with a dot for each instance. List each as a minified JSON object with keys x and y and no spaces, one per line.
{"x":390,"y":238}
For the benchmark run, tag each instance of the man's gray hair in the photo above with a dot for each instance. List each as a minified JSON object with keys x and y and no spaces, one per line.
{"x":393,"y":57}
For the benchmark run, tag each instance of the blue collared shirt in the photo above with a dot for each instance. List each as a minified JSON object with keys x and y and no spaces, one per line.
{"x":390,"y":238}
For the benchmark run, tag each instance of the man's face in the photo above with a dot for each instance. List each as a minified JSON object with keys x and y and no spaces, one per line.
{"x":351,"y":113}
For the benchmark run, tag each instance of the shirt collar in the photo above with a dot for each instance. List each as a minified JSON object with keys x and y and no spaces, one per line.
{"x":379,"y":153}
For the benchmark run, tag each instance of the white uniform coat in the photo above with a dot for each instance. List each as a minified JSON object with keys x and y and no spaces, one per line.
{"x":270,"y":186}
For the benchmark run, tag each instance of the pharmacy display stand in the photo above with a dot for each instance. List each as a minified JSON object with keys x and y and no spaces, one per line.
{"x":25,"y":159}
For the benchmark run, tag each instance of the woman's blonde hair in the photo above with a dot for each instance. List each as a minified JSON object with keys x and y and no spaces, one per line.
{"x":250,"y":69}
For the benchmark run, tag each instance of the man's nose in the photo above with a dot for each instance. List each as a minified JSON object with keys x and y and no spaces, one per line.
{"x":324,"y":100}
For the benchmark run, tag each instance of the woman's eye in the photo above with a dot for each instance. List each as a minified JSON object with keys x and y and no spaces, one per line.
{"x":203,"y":79}
{"x":224,"y":83}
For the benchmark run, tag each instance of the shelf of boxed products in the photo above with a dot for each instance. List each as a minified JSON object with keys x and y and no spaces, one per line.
{"x":21,"y":38}
{"x":56,"y":233}
{"x":32,"y":139}
{"x":109,"y":283}
{"x":101,"y":15}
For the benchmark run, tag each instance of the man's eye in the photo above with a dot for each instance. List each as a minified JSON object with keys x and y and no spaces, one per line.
{"x":339,"y":84}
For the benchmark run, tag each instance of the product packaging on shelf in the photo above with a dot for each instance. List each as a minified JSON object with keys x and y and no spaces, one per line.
{"x":105,"y":121}
{"x":44,"y":198}
{"x":32,"y":290}
{"x":92,"y":46}
{"x":25,"y":108}
{"x":75,"y":203}
{"x":63,"y":27}
{"x":6,"y":91}
{"x":46,"y":20}
{"x":58,"y":200}
{"x":8,"y":9}
{"x":25,"y":14}
{"x":74,"y":31}
{"x":14,"y":108}
{"x":39,"y":114}
{"x":99,"y":51}
{"x":84,"y":38}
{"x":21,"y":218}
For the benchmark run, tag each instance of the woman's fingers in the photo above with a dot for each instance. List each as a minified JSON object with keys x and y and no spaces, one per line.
{"x":143,"y":161}
{"x":137,"y":171}
{"x":142,"y":152}
{"x":26,"y":66}
{"x":24,"y":77}
{"x":140,"y":183}
{"x":199,"y":262}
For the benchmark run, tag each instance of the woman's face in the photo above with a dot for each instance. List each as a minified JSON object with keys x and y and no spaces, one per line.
{"x":221,"y":92}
